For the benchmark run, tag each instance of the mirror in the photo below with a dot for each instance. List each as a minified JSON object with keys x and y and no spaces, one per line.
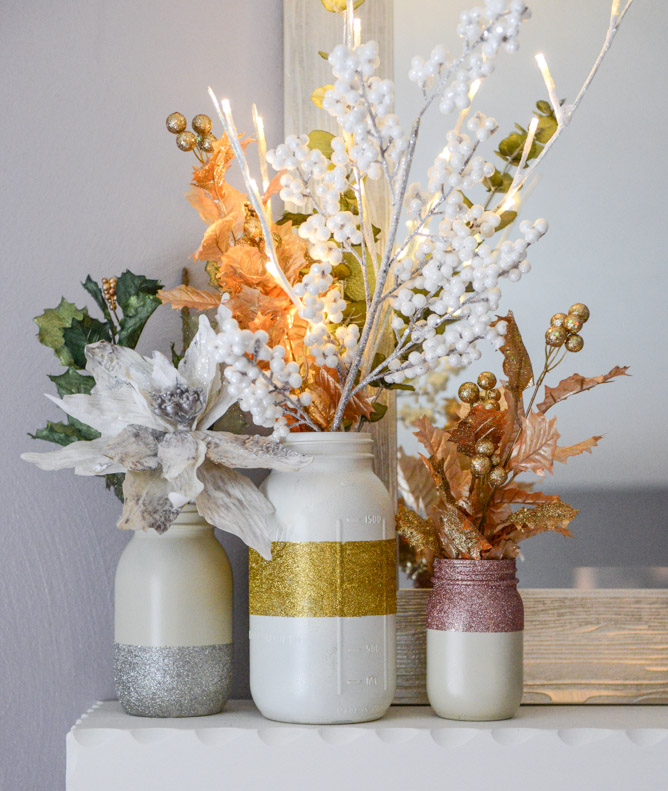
{"x":601,"y":189}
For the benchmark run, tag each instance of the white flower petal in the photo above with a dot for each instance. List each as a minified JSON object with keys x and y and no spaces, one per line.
{"x":218,"y":403}
{"x":87,"y":458}
{"x":117,"y":366}
{"x":199,"y":366}
{"x":112,"y":411}
{"x":178,"y":451}
{"x":163,"y":375}
{"x":232,"y":503}
{"x":146,"y":502}
{"x":135,"y":448}
{"x":238,"y":450}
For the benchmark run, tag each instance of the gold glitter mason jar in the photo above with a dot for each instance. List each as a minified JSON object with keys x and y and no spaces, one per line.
{"x":475,"y":629}
{"x":322,"y":611}
{"x":173,"y":621}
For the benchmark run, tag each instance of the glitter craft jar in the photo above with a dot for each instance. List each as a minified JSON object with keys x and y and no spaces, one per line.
{"x":173,"y":621}
{"x":475,"y":629}
{"x":322,"y":611}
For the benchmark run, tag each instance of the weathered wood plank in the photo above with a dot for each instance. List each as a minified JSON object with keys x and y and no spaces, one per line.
{"x":604,"y":646}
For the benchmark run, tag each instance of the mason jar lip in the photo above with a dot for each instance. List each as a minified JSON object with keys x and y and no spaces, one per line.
{"x":454,"y":570}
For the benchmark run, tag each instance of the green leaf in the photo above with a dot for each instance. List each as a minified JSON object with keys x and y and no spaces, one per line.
{"x":544,"y":107}
{"x":130,"y":285}
{"x":234,"y":421}
{"x":355,"y":313}
{"x":323,"y":55}
{"x":96,"y":292}
{"x":136,"y":312}
{"x":319,"y":94}
{"x":341,"y":271}
{"x":294,"y":217}
{"x":84,"y":431}
{"x":378,"y":413}
{"x":510,"y":148}
{"x":547,"y":126}
{"x":176,"y":357}
{"x":506,"y":218}
{"x":114,"y":481}
{"x":72,"y":382}
{"x":51,"y":324}
{"x":60,"y":433}
{"x":467,"y":202}
{"x":399,"y":386}
{"x":353,"y":285}
{"x":82,"y":332}
{"x":321,"y":140}
{"x":498,"y":182}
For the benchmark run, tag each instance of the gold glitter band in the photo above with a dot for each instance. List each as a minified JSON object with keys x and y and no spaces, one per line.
{"x":324,"y":579}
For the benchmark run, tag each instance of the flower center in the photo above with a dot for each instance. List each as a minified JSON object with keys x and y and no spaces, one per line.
{"x":181,"y":404}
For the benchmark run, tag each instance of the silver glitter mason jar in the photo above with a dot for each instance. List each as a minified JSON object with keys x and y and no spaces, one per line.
{"x":475,"y":629}
{"x":173,"y":621}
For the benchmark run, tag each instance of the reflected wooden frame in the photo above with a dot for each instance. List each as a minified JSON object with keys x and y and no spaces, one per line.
{"x":603,"y":646}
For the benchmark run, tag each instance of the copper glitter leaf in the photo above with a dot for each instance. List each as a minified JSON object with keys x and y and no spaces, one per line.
{"x":434,"y":440}
{"x":458,"y":531}
{"x":217,"y":240}
{"x":189,"y":297}
{"x":516,"y":362}
{"x":480,"y":423}
{"x":326,"y":392}
{"x":420,"y":533}
{"x":536,"y":446}
{"x":529,"y":522}
{"x":502,"y":550}
{"x":577,"y":384}
{"x":274,"y":186}
{"x":415,"y":484}
{"x":205,"y":205}
{"x":563,"y":453}
{"x":515,"y":494}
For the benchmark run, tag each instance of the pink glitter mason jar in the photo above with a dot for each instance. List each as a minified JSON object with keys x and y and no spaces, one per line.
{"x":475,"y":628}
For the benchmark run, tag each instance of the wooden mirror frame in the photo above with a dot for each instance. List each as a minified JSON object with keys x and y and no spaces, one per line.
{"x":601,"y":646}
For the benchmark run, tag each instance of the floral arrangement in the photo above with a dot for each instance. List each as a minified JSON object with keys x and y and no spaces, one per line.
{"x":144,"y":423}
{"x":459,"y":498}
{"x":329,"y":306}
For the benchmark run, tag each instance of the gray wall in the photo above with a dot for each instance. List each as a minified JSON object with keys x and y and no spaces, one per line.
{"x":92,"y":182}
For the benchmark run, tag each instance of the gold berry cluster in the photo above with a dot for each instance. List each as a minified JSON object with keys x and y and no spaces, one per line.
{"x":486,"y":461}
{"x":564,"y":328}
{"x":200,"y":137}
{"x":484,"y":392}
{"x":109,"y":291}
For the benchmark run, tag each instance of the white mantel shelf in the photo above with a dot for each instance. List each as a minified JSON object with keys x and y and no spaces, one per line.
{"x":551,"y":748}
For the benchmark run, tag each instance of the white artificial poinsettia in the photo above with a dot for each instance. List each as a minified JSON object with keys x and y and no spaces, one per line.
{"x":153,"y":420}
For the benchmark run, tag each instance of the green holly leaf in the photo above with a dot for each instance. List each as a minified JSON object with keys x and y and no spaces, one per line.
{"x":84,"y":431}
{"x":51,"y":325}
{"x":321,"y":140}
{"x":114,"y":482}
{"x":130,"y":285}
{"x":96,"y":292}
{"x":80,"y":333}
{"x":60,"y":433}
{"x":72,"y":382}
{"x":137,"y":310}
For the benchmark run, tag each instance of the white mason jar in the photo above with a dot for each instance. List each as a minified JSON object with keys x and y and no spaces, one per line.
{"x":322,"y":611}
{"x":173,"y":621}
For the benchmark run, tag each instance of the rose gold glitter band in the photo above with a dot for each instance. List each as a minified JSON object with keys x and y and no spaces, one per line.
{"x":324,"y":579}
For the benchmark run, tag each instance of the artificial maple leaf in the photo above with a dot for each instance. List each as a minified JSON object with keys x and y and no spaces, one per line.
{"x":563,"y":453}
{"x":460,"y":532}
{"x":211,"y":175}
{"x":577,"y":384}
{"x":436,"y":441}
{"x":515,"y":494}
{"x":217,"y":239}
{"x":480,"y":423}
{"x":500,"y":550}
{"x":415,"y":483}
{"x":274,"y":186}
{"x":527,"y":522}
{"x":205,"y":205}
{"x":516,"y":362}
{"x":291,"y":251}
{"x":188,"y":297}
{"x":537,"y":443}
{"x":420,"y":533}
{"x":326,"y":392}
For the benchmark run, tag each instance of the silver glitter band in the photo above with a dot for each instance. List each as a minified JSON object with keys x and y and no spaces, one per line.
{"x":182,"y":681}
